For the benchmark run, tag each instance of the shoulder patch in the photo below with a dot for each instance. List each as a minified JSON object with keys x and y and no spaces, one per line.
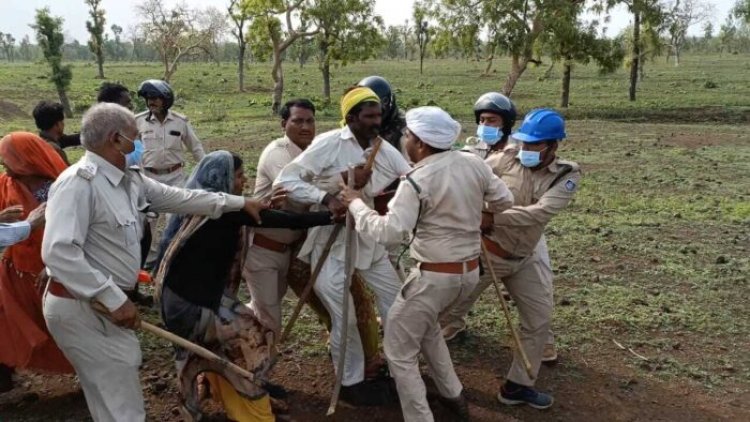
{"x":87,"y":170}
{"x":570,"y":185}
{"x":179,"y":116}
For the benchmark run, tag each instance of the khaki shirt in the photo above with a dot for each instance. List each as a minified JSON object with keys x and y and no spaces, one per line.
{"x":441,"y":200}
{"x":518,"y":229}
{"x":162,"y":141}
{"x":272,"y":160}
{"x":477,"y":147}
{"x":317,"y":171}
{"x":91,"y":238}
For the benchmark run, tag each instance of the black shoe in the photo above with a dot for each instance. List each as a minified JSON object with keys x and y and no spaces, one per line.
{"x":368,"y":393}
{"x":275,"y":391}
{"x":458,"y":406}
{"x":6,"y":378}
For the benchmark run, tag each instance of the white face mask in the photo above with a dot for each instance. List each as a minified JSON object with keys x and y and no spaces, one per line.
{"x":530,"y":158}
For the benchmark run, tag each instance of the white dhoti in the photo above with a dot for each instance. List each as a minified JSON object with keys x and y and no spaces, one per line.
{"x":106,"y":359}
{"x":384,"y":282}
{"x":412,"y":327}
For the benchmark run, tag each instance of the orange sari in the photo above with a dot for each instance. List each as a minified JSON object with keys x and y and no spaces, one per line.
{"x":26,"y":343}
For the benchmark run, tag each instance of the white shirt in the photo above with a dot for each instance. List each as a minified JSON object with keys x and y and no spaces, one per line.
{"x":317,"y":171}
{"x":91,"y":238}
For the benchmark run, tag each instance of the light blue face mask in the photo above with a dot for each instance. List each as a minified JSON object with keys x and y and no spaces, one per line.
{"x":488,"y":134}
{"x":134,"y":158}
{"x":530,"y":158}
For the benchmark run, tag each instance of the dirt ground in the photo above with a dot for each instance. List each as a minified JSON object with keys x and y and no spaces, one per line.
{"x":596,"y":380}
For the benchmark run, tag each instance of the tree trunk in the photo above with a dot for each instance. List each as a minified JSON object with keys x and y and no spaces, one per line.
{"x":241,"y":67}
{"x":325,"y":69}
{"x":100,"y":63}
{"x":677,"y":57}
{"x":565,"y":97}
{"x":277,"y":74}
{"x":489,"y":61}
{"x":517,"y":67}
{"x":548,"y":72}
{"x":636,"y":54}
{"x":65,"y":103}
{"x":641,"y":73}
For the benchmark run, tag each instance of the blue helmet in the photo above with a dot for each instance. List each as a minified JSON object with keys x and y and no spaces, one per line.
{"x":542,"y":124}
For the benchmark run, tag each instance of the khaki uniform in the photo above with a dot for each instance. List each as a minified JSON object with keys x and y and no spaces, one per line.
{"x":308,"y":178}
{"x":441,"y":202}
{"x":265,"y":269}
{"x":162,"y":151}
{"x":91,"y":248}
{"x":518,"y":232}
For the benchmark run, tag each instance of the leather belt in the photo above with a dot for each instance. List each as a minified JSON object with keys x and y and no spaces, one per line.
{"x":55,"y":288}
{"x":164,"y":171}
{"x":270,"y":244}
{"x":496,"y":250}
{"x":450,"y":267}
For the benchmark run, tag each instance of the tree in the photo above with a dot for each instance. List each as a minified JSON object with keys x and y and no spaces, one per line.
{"x":240,"y":18}
{"x":118,"y":50}
{"x":422,"y":31}
{"x":96,"y":28}
{"x":514,"y":25}
{"x":679,"y":16}
{"x":405,"y":31}
{"x":741,"y":10}
{"x":50,"y":39}
{"x":8,"y":45}
{"x":647,"y":12}
{"x":266,"y":31}
{"x":25,"y":49}
{"x":348,"y":30}
{"x":178,"y":32}
{"x":570,"y":40}
{"x":394,"y":45}
{"x":727,"y":34}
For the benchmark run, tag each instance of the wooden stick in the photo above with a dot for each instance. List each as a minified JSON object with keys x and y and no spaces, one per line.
{"x":309,"y":286}
{"x":371,"y":158}
{"x":506,"y":311}
{"x":184,"y":343}
{"x":349,"y":270}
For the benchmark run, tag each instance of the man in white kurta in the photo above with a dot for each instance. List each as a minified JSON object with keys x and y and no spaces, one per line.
{"x":314,"y":177}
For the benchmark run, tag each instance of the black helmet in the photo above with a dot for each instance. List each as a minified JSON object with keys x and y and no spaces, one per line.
{"x":156,"y":88}
{"x":495,"y":102}
{"x":382,"y":88}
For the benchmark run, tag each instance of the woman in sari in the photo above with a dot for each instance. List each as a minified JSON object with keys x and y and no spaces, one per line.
{"x":31,"y":165}
{"x":198,"y":272}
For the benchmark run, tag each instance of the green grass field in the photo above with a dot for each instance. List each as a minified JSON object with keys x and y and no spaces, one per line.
{"x":652,"y":255}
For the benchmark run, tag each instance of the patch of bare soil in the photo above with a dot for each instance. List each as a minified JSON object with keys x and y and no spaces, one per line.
{"x":10,"y":110}
{"x":595,"y":386}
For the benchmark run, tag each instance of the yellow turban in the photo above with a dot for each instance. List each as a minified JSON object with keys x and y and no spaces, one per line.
{"x":356,"y":96}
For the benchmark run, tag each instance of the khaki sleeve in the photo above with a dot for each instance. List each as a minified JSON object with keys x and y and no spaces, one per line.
{"x":550,"y":204}
{"x":192,"y":143}
{"x":165,"y":198}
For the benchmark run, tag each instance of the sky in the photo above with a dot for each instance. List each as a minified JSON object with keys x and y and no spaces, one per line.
{"x":16,"y":15}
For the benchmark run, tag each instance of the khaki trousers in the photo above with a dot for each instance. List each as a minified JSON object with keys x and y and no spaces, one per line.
{"x":176,"y":179}
{"x":106,"y":359}
{"x":266,"y":281}
{"x":412,"y":327}
{"x":456,"y":316}
{"x":529,"y":283}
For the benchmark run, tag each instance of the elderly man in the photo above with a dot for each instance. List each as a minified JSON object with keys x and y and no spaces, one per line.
{"x":324,"y":162}
{"x":92,"y":254}
{"x":440,"y":203}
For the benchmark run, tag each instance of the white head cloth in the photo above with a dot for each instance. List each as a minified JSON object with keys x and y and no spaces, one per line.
{"x":434,"y":126}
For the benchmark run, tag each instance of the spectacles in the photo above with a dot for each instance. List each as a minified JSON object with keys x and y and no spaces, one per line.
{"x":126,"y":138}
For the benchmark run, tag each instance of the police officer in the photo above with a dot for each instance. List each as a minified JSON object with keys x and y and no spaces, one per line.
{"x":543,"y":185}
{"x":440,"y":202}
{"x":495,"y":116}
{"x":163,"y":133}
